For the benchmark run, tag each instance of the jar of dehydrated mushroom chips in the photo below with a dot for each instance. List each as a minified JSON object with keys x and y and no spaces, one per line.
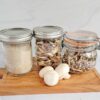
{"x":17,"y":50}
{"x":48,"y":45}
{"x":79,"y":50}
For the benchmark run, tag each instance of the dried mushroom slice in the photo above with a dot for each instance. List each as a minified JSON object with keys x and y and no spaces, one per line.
{"x":48,"y":52}
{"x":80,"y":62}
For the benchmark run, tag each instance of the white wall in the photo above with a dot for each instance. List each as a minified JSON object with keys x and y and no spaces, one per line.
{"x":69,"y":14}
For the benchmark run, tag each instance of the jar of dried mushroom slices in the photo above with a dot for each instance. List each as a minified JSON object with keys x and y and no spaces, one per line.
{"x":17,"y":50}
{"x":79,"y":50}
{"x":48,"y":45}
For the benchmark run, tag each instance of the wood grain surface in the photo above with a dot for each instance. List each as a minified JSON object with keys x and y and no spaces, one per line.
{"x":31,"y":83}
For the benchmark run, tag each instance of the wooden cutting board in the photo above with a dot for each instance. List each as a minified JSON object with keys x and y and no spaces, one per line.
{"x":32,"y":84}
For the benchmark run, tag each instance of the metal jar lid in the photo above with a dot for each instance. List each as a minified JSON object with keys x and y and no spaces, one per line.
{"x":48,"y":32}
{"x":82,"y":36}
{"x":15,"y":35}
{"x":81,"y":41}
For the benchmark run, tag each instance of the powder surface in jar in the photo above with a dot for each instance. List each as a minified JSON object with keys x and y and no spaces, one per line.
{"x":18,"y":57}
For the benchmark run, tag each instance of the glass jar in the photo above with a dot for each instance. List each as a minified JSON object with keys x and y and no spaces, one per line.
{"x":79,"y":50}
{"x":48,"y":45}
{"x":17,"y":49}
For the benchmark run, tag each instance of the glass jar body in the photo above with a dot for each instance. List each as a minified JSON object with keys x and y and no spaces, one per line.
{"x":48,"y":51}
{"x":79,"y":62}
{"x":18,"y":57}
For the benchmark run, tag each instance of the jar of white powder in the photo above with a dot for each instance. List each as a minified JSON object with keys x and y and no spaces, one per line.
{"x":17,"y":49}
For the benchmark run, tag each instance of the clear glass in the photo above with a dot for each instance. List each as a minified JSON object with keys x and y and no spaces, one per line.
{"x":48,"y":52}
{"x":79,"y":61}
{"x":18,"y":57}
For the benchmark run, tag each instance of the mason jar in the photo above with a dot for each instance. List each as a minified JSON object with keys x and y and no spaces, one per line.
{"x":80,"y":50}
{"x":17,"y":50}
{"x":48,"y":45}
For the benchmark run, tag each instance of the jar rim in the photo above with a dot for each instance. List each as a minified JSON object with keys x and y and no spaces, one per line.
{"x":82,"y":36}
{"x":80,"y":49}
{"x":15,"y":35}
{"x":48,"y":32}
{"x":87,"y":41}
{"x":79,"y":44}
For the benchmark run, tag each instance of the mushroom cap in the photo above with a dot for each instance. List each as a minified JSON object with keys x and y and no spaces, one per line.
{"x":44,"y":70}
{"x":62,"y":69}
{"x":66,"y":76}
{"x":51,"y":78}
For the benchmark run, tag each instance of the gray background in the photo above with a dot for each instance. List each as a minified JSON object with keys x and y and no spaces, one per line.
{"x":70,"y":14}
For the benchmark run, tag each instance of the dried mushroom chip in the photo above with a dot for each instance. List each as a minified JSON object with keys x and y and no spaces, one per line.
{"x":48,"y":52}
{"x":80,"y":62}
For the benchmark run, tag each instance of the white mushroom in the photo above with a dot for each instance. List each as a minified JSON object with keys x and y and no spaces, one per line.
{"x":44,"y":70}
{"x":63,"y":71}
{"x":51,"y":78}
{"x":66,"y":76}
